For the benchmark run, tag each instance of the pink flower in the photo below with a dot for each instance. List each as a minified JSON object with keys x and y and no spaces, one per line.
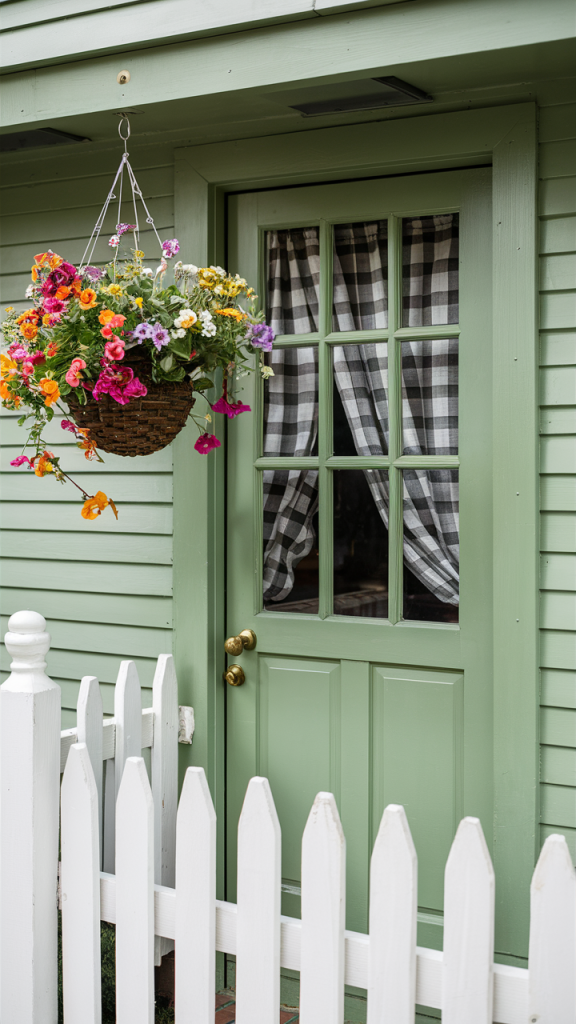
{"x":120,"y":383}
{"x":17,"y":352}
{"x":68,"y":425}
{"x":37,"y":358}
{"x":114,"y":350}
{"x":54,"y":305}
{"x":20,"y":461}
{"x":205,"y":443}
{"x":27,"y":368}
{"x":73,"y":376}
{"x":230,"y":409}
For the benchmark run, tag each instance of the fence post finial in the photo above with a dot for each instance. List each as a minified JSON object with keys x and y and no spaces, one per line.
{"x":28,"y":643}
{"x":29,"y":809}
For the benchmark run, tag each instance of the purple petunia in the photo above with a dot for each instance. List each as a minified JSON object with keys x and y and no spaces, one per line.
{"x":121,"y":229}
{"x":160,"y":336}
{"x":170,"y":248}
{"x":144,"y":330}
{"x":260,"y":336}
{"x":93,"y":273}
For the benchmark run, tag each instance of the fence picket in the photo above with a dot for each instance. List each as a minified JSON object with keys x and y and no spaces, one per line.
{"x":164,"y":776}
{"x":89,"y":718}
{"x":195,"y":915}
{"x":80,"y":885}
{"x":134,"y":896}
{"x":323,"y":915}
{"x":393,"y":908}
{"x":552,"y":954}
{"x":258,"y":900}
{"x":468,"y":977}
{"x":128,"y":743}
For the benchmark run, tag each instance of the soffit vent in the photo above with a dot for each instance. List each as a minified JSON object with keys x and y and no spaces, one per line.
{"x":37,"y":137}
{"x":390,"y":92}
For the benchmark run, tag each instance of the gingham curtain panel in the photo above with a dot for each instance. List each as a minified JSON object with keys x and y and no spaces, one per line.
{"x":430,"y":389}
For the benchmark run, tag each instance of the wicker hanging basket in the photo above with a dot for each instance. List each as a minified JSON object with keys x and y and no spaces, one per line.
{"x":143,"y":426}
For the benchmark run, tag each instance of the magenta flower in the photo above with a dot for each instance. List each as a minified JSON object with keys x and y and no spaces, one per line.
{"x":18,"y":352}
{"x":205,"y":443}
{"x":229,"y":409}
{"x":20,"y":461}
{"x":170,"y":248}
{"x":54,"y":305}
{"x":121,"y":229}
{"x":93,"y":273}
{"x":120,"y":383}
{"x":62,"y":275}
{"x":68,"y":425}
{"x":38,"y":358}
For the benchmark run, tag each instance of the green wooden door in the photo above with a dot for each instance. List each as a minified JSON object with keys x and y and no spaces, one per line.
{"x":361,"y":683}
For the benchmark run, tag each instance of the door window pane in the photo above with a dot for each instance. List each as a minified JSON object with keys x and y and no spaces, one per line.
{"x":430,"y":397}
{"x":291,"y":402}
{"x":361,"y":399}
{"x":360,"y":284}
{"x":361,"y":543}
{"x":431,"y":545}
{"x":293,"y":276}
{"x":290,"y":558}
{"x":430,"y":270}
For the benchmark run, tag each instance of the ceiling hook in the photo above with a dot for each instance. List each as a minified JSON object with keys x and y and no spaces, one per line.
{"x":124,"y":117}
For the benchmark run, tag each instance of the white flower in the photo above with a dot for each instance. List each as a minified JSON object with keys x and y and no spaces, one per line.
{"x":146,"y":272}
{"x":180,"y":333}
{"x":29,"y":293}
{"x":186,"y":318}
{"x":208,"y":325}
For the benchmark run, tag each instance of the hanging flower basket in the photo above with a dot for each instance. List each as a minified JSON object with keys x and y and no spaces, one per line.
{"x":127,"y":353}
{"x":142,"y":426}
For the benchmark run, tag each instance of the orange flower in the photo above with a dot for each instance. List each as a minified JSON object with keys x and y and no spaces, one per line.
{"x":7,"y":367}
{"x":106,"y":315}
{"x":5,"y":393}
{"x":94,"y":507}
{"x":87,"y":299}
{"x":34,"y":273}
{"x":52,"y":346}
{"x":51,"y":390}
{"x":76,"y":286}
{"x":43,"y":466}
{"x":235,"y":314}
{"x":29,"y":316}
{"x":50,"y":258}
{"x":29,"y":331}
{"x":62,"y":292}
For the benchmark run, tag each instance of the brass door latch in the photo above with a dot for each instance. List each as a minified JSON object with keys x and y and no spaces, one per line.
{"x":234,"y":675}
{"x":246,"y":640}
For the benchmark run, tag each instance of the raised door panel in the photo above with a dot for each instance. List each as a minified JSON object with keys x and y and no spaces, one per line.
{"x":417,"y":733}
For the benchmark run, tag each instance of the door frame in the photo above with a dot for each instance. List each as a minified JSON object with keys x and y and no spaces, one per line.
{"x":504,"y":137}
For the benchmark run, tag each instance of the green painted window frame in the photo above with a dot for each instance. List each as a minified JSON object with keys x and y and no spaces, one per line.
{"x":326,"y":462}
{"x":505,"y":137}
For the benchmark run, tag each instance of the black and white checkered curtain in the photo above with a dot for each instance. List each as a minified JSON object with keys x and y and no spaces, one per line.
{"x":430,"y":389}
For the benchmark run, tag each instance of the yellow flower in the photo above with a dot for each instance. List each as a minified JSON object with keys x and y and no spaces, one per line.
{"x":43,"y":466}
{"x":9,"y":309}
{"x":113,"y":289}
{"x":94,"y":507}
{"x":138,"y":302}
{"x":235,"y":314}
{"x":7,"y":367}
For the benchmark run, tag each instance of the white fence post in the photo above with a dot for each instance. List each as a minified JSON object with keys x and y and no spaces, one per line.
{"x":135,"y":896}
{"x":323,"y":915}
{"x":80,"y":887}
{"x":393,"y":909}
{"x":195,"y":919}
{"x":164,"y":780}
{"x":89,"y":731}
{"x":128,"y":719}
{"x":29,"y":798}
{"x":258,"y":921}
{"x":468,"y":975}
{"x":552,"y":955}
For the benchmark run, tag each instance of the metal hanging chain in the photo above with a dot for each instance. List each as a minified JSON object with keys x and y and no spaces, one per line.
{"x":136,"y":194}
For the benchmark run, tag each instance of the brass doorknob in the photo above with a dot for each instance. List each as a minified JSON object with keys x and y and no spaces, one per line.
{"x":246,"y":640}
{"x":234,"y":675}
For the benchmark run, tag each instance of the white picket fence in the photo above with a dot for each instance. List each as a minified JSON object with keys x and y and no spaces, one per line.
{"x":164,"y":883}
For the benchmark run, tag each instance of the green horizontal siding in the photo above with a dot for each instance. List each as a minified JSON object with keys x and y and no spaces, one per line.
{"x":558,"y":469}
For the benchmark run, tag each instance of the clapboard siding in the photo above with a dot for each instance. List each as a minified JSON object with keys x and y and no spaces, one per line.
{"x":558,"y":469}
{"x":109,"y":583}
